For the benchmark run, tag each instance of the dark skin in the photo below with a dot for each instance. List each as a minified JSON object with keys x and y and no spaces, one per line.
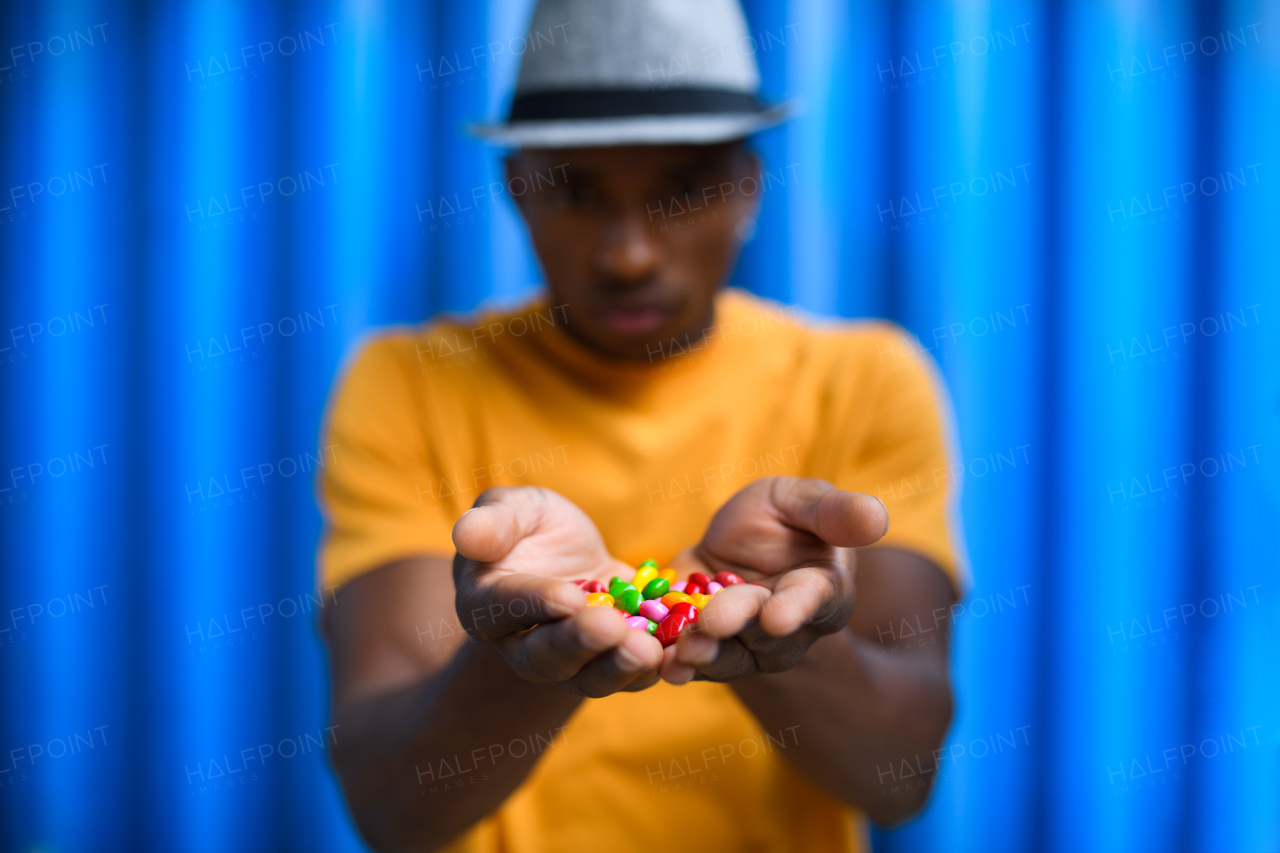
{"x":626,"y":287}
{"x":521,"y":650}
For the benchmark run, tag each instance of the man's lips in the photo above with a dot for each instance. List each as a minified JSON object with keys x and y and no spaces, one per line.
{"x":634,"y":321}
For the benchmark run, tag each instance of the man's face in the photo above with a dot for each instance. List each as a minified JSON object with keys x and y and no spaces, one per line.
{"x":636,"y":240}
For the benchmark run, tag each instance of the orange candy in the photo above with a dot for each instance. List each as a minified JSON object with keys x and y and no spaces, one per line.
{"x":699,"y":601}
{"x":671,"y":599}
{"x":669,"y":574}
{"x":599,"y":599}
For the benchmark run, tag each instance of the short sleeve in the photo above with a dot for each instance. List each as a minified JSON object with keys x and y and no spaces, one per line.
{"x":903,"y":452}
{"x":372,"y":492}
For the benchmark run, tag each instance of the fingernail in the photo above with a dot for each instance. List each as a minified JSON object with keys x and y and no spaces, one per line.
{"x":699,"y":650}
{"x":592,"y":642}
{"x":679,"y":674}
{"x":628,"y":662}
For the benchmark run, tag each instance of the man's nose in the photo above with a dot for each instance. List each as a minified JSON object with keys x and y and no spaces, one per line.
{"x":629,"y":252}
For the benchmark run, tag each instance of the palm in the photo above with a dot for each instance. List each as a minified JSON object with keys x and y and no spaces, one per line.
{"x":561,"y":542}
{"x":749,"y":536}
{"x":518,"y":548}
{"x":794,"y":537}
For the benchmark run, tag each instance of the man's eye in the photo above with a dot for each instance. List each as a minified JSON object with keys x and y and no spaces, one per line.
{"x":573,"y":198}
{"x":692,"y":188}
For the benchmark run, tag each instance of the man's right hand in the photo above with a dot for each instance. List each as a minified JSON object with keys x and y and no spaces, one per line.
{"x":519,"y":549}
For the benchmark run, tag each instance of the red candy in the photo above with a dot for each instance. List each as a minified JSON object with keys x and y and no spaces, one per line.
{"x":727,"y":578}
{"x":686,"y":609}
{"x":594,"y":586}
{"x":690,"y":588}
{"x":669,"y":629}
{"x":700,"y":579}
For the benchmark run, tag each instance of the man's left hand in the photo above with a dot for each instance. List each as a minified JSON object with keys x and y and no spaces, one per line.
{"x":795,"y":538}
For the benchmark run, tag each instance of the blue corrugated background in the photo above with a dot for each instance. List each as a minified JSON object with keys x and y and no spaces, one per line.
{"x":1073,"y":205}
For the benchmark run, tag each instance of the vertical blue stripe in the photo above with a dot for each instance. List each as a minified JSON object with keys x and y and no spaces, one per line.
{"x":204,"y":206}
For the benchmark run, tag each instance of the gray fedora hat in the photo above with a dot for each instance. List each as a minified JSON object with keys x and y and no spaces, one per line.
{"x":598,"y":73}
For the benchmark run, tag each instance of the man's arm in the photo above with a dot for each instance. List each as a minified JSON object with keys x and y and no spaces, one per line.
{"x":411,"y":689}
{"x":403,"y":704}
{"x":797,"y":643}
{"x":862,"y":707}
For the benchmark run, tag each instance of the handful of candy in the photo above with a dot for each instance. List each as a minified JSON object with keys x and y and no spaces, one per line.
{"x":655,"y":601}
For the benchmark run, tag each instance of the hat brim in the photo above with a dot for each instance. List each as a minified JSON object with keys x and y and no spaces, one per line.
{"x":684,"y":129}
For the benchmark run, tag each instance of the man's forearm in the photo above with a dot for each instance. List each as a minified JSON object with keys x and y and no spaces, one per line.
{"x":857,"y":709}
{"x":403,"y":747}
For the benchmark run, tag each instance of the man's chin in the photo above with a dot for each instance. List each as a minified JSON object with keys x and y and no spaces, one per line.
{"x":663,"y":343}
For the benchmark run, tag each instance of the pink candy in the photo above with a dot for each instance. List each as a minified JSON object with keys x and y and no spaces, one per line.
{"x":713,"y":588}
{"x":679,"y":586}
{"x":639,"y":621}
{"x":653,"y":609}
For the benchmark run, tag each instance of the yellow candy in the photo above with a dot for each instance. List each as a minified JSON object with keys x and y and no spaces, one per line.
{"x":669,"y":574}
{"x":643,"y":577}
{"x":699,"y":600}
{"x":599,"y":599}
{"x":671,"y":599}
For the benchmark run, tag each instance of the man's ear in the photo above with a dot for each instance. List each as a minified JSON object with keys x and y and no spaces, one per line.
{"x":512,"y":167}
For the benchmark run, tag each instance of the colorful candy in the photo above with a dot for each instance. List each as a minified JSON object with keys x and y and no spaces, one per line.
{"x":643,"y":577}
{"x":681,"y":616}
{"x":685,"y":609}
{"x":671,"y":599}
{"x":655,"y":588}
{"x":628,"y":600}
{"x":654,"y":610}
{"x":669,"y":629}
{"x":655,"y":601}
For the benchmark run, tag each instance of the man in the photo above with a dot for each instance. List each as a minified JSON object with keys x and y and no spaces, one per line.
{"x":638,"y":412}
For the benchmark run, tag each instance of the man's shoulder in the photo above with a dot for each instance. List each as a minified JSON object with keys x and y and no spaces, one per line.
{"x":861,"y":340}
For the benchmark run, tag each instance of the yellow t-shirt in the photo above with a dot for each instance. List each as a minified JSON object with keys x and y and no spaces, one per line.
{"x":426,"y":419}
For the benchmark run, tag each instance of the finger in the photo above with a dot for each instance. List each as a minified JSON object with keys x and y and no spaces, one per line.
{"x":558,"y":651}
{"x":696,"y":648}
{"x":731,"y":659}
{"x":732,"y":609}
{"x":633,"y":662}
{"x":674,"y":672}
{"x":844,"y":519}
{"x":491,"y":608}
{"x":501,"y":517}
{"x":797,"y":598}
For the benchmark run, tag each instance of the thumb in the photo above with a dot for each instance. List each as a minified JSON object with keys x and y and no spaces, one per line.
{"x":843,"y":519}
{"x":486,"y":534}
{"x":501,"y":517}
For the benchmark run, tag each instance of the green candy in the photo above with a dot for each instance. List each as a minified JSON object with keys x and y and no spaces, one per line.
{"x":649,"y":564}
{"x":613,"y":580}
{"x":656,"y":588}
{"x":652,"y":626}
{"x":617,"y":587}
{"x":628,"y":599}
